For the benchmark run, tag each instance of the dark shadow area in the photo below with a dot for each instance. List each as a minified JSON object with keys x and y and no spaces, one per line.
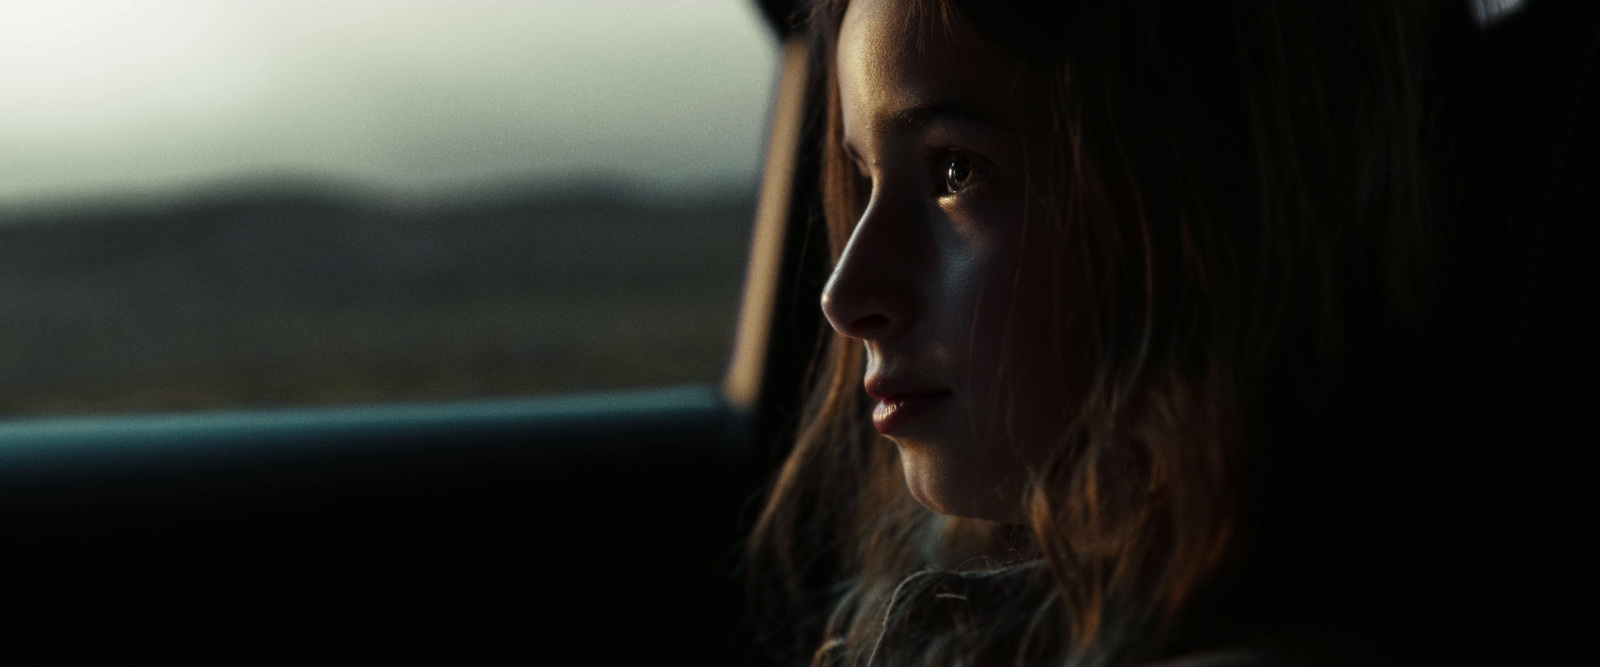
{"x":523,"y":532}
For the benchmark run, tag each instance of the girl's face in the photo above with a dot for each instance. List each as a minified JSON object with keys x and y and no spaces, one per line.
{"x":955,"y":298}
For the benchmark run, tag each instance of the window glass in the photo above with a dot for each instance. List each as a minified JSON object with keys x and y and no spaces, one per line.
{"x":226,"y":204}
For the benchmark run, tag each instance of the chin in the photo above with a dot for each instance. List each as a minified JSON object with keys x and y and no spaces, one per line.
{"x":954,"y":488}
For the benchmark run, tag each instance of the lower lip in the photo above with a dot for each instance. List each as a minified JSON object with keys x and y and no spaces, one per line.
{"x":892,"y":413}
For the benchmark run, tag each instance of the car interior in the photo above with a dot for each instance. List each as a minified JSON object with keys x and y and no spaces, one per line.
{"x":603,"y":527}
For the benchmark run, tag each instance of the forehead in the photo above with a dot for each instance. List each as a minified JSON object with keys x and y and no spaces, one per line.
{"x":896,"y":55}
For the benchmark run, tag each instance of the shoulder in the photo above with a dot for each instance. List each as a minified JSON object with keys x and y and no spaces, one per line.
{"x":962,"y":616}
{"x":986,"y":615}
{"x":932,"y":589}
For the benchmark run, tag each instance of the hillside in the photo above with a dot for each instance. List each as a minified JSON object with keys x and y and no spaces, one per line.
{"x":298,"y":295}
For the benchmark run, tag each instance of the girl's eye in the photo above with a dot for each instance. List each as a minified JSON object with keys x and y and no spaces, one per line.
{"x":959,"y":172}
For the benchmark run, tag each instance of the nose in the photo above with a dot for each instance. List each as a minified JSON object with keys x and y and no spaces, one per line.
{"x":872,"y":292}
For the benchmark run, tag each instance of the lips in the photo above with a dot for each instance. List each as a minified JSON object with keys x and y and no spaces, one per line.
{"x":892,"y":412}
{"x":897,"y":405}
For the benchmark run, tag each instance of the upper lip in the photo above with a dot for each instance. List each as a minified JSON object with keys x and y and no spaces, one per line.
{"x":890,"y":388}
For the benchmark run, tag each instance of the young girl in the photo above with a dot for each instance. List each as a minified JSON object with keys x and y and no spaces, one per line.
{"x":1128,"y":299}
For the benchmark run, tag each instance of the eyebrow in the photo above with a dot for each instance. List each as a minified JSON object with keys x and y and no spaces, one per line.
{"x":914,"y":117}
{"x":923,"y":114}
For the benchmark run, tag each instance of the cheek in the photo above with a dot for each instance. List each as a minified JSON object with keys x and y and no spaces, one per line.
{"x":1003,"y":313}
{"x":979,"y":254}
{"x":1024,"y":374}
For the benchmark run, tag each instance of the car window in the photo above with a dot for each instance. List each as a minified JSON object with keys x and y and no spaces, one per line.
{"x":218,"y":205}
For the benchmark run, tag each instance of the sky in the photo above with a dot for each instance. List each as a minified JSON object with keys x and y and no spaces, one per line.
{"x":136,"y":97}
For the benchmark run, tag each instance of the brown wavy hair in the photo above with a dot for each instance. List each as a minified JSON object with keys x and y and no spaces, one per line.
{"x":1241,"y":187}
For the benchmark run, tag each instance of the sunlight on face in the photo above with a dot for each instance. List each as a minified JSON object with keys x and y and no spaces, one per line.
{"x":940,"y":281}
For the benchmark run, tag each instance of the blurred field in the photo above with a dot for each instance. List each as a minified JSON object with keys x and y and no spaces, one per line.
{"x":295,"y":295}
